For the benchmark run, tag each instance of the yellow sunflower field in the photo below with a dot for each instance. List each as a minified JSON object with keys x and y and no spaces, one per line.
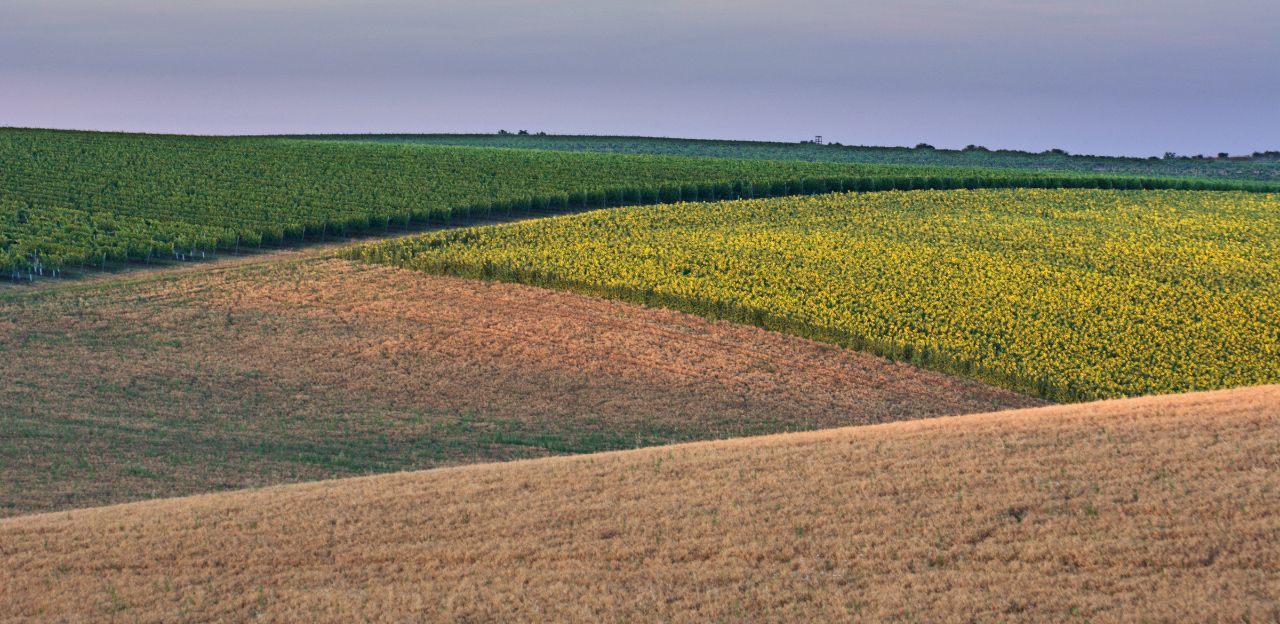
{"x":1068,"y":294}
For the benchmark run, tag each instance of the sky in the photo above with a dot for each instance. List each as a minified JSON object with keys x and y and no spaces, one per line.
{"x":1135,"y":77}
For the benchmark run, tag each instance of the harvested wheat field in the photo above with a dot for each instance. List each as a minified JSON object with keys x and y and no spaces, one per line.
{"x":311,"y":368}
{"x":1150,"y":509}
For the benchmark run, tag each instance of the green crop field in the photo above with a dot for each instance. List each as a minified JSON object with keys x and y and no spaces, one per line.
{"x":1264,"y":167}
{"x":71,"y":199}
{"x":1068,"y":294}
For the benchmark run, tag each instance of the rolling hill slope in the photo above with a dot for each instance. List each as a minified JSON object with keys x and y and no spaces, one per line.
{"x":1263,"y":167}
{"x":316,"y":368}
{"x":1152,"y":509}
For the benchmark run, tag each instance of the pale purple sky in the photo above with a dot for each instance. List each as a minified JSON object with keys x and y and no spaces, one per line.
{"x":1091,"y":76}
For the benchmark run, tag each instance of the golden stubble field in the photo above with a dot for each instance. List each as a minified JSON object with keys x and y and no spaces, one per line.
{"x":310,"y":368}
{"x":1158,"y":509}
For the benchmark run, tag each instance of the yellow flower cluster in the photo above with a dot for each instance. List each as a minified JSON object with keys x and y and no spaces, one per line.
{"x":1070,"y":294}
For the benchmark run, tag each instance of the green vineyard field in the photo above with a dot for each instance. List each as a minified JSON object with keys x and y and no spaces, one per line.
{"x":70,"y":199}
{"x":1261,"y":167}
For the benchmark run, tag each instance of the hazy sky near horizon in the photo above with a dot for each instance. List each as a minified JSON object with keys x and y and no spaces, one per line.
{"x":1092,"y":76}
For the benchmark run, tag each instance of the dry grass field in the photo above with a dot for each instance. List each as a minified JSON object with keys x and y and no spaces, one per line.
{"x":274,"y":370}
{"x":1159,"y":509}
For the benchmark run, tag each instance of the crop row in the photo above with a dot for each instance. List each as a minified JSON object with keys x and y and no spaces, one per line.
{"x":1067,"y":294}
{"x":77,"y":198}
